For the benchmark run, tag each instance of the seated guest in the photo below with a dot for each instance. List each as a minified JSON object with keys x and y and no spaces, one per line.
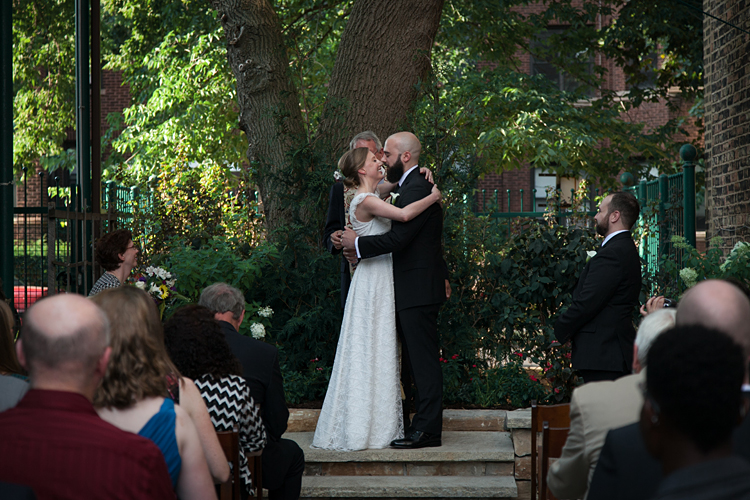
{"x":692,"y":402}
{"x":283,"y":460}
{"x":711,"y":303}
{"x":198,"y":348}
{"x":53,"y":440}
{"x":132,"y":394}
{"x":117,"y":254}
{"x":597,"y":407}
{"x":13,"y":383}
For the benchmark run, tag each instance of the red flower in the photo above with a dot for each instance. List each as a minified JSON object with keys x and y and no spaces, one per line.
{"x":471,"y":379}
{"x":319,"y":369}
{"x":455,"y":356}
{"x":473,"y":366}
{"x":567,"y":355}
{"x":445,"y":361}
{"x":441,"y":359}
{"x":518,"y":354}
{"x":557,"y":390}
{"x":532,"y":377}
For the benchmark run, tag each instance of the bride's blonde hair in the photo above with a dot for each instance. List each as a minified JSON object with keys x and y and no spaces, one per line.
{"x":350,"y":163}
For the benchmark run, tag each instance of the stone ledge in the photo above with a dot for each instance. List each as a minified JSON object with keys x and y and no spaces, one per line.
{"x":408,"y":487}
{"x":305,"y":420}
{"x":518,"y":419}
{"x":457,"y":447}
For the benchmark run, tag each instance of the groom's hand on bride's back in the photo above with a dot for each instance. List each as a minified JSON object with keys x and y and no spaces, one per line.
{"x":347,"y":239}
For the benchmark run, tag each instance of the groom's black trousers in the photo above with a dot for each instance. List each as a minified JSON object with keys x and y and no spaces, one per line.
{"x":417,"y":328}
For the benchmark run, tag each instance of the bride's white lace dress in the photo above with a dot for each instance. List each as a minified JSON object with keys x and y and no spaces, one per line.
{"x":362,"y":407}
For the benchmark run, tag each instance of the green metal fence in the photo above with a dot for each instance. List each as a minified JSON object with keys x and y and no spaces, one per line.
{"x":667,"y":209}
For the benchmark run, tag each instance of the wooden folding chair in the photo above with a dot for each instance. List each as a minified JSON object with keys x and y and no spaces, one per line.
{"x":553,"y":440}
{"x":558,"y":417}
{"x":230,"y":490}
{"x":230,"y":443}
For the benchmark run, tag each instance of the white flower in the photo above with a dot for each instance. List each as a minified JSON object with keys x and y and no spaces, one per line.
{"x":393,"y":198}
{"x":150,"y":271}
{"x":170,"y":283}
{"x":154,"y":290}
{"x":337,"y":175}
{"x":257,"y":330}
{"x":689,"y":276}
{"x":265,"y":312}
{"x":591,"y":254}
{"x":140,"y":284}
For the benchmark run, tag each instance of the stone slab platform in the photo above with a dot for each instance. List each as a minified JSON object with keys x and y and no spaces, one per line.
{"x":302,"y":420}
{"x":458,"y":446}
{"x":394,"y":487}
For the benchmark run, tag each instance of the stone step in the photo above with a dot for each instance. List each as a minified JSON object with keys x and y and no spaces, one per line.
{"x":303,"y":420}
{"x":397,"y":487}
{"x":462,"y":454}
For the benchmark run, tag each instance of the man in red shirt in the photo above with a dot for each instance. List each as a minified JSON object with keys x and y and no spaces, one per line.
{"x":53,"y":440}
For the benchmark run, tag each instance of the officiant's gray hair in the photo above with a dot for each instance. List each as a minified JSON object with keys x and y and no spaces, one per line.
{"x":221,"y":298}
{"x":367,"y":135}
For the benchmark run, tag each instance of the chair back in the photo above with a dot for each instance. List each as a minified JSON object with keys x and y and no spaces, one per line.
{"x":553,"y":440}
{"x":230,"y":443}
{"x":558,"y":417}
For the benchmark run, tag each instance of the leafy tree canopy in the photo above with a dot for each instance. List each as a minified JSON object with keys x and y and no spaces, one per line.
{"x":477,"y":107}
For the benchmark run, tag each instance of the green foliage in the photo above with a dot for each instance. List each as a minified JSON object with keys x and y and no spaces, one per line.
{"x":677,"y":275}
{"x":43,"y":79}
{"x":194,"y":204}
{"x":508,"y":294}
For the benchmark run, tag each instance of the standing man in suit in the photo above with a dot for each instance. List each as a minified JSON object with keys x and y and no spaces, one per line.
{"x":600,"y":320}
{"x":420,"y":282}
{"x":283,"y":460}
{"x":338,"y":208}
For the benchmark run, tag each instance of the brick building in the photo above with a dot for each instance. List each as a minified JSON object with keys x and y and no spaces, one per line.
{"x":727,"y":110}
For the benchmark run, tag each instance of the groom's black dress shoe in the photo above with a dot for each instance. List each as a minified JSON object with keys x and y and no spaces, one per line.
{"x":417,"y":439}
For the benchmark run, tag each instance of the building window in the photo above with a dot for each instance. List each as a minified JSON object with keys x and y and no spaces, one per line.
{"x":563,"y":80}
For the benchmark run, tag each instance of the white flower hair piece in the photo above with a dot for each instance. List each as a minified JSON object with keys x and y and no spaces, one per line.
{"x":338,"y":175}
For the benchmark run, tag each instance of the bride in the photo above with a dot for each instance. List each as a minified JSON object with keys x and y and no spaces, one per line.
{"x":362,"y":407}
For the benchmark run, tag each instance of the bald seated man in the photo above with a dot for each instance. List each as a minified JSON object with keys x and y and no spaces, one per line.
{"x":625,"y":469}
{"x":53,"y":440}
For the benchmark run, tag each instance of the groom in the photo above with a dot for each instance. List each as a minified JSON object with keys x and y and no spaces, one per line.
{"x":420,"y":278}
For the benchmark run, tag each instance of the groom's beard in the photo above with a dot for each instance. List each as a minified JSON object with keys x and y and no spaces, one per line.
{"x":396,"y":171}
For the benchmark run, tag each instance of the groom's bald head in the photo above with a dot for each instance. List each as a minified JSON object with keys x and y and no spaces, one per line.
{"x":406,"y":145}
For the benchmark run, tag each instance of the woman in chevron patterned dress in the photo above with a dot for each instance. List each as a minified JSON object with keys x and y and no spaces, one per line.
{"x":199,"y":350}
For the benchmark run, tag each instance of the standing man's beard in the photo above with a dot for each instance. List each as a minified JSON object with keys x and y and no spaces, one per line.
{"x":601,"y":230}
{"x":396,"y":171}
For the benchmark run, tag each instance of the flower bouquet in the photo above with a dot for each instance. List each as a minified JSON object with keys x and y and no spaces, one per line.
{"x":258,"y":326}
{"x":160,"y":285}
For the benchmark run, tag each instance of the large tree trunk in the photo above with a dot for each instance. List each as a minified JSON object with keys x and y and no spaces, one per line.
{"x":384,"y":52}
{"x":269,"y":107}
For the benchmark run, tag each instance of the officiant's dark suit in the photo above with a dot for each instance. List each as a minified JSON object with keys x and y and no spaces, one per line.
{"x":599,"y":320}
{"x":420,"y":274}
{"x":336,"y":221}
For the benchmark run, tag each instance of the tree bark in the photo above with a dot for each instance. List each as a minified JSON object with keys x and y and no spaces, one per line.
{"x":269,"y":107}
{"x":384,"y":53}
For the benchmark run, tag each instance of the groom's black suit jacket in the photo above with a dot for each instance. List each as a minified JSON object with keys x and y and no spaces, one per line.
{"x":600,"y":319}
{"x":419,"y":270}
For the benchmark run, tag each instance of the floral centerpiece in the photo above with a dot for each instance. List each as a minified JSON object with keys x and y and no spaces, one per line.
{"x":159,"y":284}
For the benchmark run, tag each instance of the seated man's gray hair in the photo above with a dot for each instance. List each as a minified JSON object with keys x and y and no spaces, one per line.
{"x":221,"y":298}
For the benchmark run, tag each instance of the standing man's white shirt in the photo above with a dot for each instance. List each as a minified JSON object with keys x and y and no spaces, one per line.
{"x":400,"y":181}
{"x":609,"y":237}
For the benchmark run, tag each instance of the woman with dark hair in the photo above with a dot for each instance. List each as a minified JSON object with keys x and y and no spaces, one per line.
{"x":117,"y":254}
{"x":13,"y":383}
{"x":133,"y":393}
{"x":200,"y":351}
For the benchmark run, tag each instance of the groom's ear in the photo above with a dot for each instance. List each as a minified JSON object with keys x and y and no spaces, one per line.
{"x":405,"y":156}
